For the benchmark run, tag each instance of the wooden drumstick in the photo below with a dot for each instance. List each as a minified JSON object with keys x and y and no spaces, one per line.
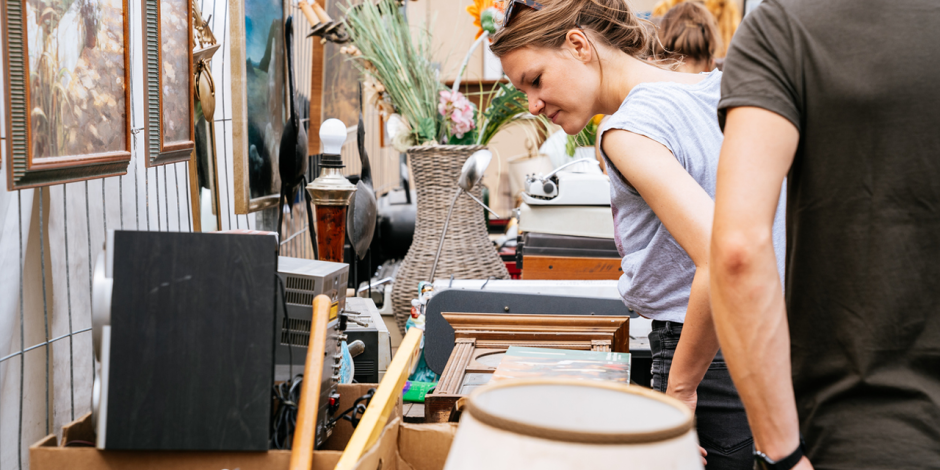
{"x":321,"y":13}
{"x":305,"y":432}
{"x":308,"y":12}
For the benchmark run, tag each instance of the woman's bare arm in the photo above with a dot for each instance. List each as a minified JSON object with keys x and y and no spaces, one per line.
{"x":686,"y":210}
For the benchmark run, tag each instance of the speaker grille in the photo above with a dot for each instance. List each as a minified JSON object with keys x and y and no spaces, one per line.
{"x":295,"y":332}
{"x":364,"y":367}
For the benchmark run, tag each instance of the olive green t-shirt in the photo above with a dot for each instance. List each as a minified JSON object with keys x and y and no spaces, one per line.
{"x":860,"y":79}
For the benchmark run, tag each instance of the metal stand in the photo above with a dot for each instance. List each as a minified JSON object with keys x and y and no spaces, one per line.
{"x":437,"y":256}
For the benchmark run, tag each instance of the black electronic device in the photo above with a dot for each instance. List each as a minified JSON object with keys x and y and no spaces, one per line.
{"x":439,"y":334}
{"x":547,"y":244}
{"x":184,"y":330}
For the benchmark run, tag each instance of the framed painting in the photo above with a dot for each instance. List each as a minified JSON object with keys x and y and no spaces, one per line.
{"x":259,"y":98}
{"x":66,"y":93}
{"x":168,"y":81}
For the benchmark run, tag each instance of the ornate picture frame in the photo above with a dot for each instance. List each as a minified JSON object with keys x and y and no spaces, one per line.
{"x":168,"y":81}
{"x":66,"y":93}
{"x":480,"y":339}
{"x":259,"y":100}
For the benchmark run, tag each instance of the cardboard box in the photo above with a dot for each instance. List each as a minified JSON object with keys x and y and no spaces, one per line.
{"x":404,"y":446}
{"x":77,"y":452}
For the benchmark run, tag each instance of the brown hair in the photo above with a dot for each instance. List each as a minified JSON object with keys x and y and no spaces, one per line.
{"x":689,"y":31}
{"x":725,"y":11}
{"x":611,"y":21}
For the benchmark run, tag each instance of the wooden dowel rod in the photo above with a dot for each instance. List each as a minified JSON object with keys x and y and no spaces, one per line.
{"x":383,"y":402}
{"x":305,"y":433}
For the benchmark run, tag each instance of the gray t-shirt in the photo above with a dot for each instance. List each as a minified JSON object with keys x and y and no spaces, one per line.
{"x":657,"y":272}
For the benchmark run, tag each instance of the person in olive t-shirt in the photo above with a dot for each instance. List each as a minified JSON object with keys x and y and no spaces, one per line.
{"x":843,"y":97}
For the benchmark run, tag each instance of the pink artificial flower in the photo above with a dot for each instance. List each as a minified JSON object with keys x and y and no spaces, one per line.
{"x":457,"y":111}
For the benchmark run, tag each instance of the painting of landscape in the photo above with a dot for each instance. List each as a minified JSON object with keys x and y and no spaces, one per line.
{"x":265,"y":82}
{"x":77,"y":84}
{"x":174,"y":43}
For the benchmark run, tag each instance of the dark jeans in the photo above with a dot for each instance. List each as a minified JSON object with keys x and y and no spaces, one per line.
{"x":719,"y":415}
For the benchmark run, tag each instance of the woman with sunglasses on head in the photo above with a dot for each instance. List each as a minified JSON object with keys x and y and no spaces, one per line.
{"x":578,"y":58}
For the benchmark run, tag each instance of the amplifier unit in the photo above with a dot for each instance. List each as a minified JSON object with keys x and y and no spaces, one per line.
{"x":184,"y":327}
{"x":365,"y":324}
{"x":303,"y":280}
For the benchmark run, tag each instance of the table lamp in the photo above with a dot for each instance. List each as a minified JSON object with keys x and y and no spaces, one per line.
{"x":331,"y":193}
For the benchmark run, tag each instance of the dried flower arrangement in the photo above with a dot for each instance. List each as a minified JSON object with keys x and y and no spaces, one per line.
{"x":400,"y":80}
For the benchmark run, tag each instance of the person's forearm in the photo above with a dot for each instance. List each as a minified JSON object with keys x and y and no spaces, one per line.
{"x":698,"y":343}
{"x":750,"y":318}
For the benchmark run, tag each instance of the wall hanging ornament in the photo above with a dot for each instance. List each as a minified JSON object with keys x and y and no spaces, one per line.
{"x":203,"y":168}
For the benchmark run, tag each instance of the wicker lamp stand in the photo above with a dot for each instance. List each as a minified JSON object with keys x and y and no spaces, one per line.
{"x":468,"y":252}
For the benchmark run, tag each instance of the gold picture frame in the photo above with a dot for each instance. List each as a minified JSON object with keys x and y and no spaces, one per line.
{"x":67,"y":104}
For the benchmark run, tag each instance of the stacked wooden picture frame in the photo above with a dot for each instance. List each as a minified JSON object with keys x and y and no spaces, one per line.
{"x":482,"y":339}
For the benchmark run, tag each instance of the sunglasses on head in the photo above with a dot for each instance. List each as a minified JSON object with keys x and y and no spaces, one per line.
{"x":511,"y":9}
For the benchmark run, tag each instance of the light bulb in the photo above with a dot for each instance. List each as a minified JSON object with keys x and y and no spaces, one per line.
{"x":333,"y":135}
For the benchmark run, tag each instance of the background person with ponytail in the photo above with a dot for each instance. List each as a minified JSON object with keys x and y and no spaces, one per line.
{"x":575,"y":59}
{"x":689,"y":36}
{"x":726,"y":14}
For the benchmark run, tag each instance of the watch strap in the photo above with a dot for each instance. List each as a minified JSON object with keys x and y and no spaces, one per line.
{"x":786,"y":463}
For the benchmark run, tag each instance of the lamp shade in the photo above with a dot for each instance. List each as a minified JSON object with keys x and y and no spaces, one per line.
{"x":555,"y":424}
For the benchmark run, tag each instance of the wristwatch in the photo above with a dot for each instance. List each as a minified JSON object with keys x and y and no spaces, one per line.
{"x":763,"y":462}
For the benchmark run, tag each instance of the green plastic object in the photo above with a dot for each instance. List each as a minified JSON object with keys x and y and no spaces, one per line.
{"x":415,"y":391}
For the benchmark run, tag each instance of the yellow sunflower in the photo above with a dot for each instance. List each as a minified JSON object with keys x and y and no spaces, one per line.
{"x":476,"y":10}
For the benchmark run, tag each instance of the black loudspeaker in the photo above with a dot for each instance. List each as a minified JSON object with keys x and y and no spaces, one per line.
{"x":187,"y":356}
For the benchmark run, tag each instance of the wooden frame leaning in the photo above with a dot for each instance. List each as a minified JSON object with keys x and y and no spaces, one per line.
{"x":168,"y":81}
{"x":478,"y":335}
{"x":67,"y":100}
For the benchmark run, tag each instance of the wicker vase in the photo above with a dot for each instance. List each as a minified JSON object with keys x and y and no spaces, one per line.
{"x":468,"y":252}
